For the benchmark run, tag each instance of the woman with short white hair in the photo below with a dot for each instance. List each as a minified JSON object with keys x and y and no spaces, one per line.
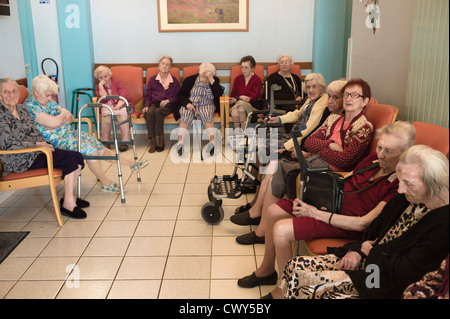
{"x":54,"y":123}
{"x":199,"y":98}
{"x":291,"y":85}
{"x":109,"y":85}
{"x":408,"y":239}
{"x":161,"y":96}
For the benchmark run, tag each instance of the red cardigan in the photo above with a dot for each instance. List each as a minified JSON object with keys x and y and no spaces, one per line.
{"x":252,"y":90}
{"x":356,"y":141}
{"x":117,"y":88}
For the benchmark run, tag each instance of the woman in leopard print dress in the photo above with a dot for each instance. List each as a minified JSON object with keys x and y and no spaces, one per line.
{"x":408,"y":239}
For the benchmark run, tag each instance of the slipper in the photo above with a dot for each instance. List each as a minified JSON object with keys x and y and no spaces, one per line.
{"x":80,"y":202}
{"x":243,"y":208}
{"x":138,"y":166}
{"x":253,"y":281}
{"x":114,"y":188}
{"x":250,"y":239}
{"x":244,"y":219}
{"x":77,"y":212}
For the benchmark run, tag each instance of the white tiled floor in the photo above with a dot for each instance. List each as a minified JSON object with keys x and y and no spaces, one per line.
{"x":155,"y":245}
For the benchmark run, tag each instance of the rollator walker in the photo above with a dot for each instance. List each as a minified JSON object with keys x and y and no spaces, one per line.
{"x":115,"y":142}
{"x":232,"y":186}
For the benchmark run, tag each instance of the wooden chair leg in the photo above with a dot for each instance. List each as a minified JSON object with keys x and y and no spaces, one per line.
{"x":56,"y":205}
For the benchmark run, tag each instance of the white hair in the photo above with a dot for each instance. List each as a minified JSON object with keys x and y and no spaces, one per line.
{"x":100,"y":69}
{"x":206,"y":66}
{"x":43,"y":83}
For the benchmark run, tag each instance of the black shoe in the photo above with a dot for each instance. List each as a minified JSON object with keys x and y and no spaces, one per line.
{"x":160,"y":148}
{"x":123,"y":148}
{"x":268,"y":296}
{"x":80,"y":202}
{"x":243,"y":208}
{"x":252,"y":281}
{"x":180,"y":150}
{"x":77,"y":212}
{"x":244,"y":219}
{"x":250,"y":239}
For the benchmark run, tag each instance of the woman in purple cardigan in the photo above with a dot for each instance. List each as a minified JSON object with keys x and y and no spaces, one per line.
{"x":160,"y":100}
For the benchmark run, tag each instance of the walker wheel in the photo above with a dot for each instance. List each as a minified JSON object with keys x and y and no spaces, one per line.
{"x":211,"y":214}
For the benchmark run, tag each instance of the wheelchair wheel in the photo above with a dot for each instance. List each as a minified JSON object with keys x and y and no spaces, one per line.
{"x":211,"y":214}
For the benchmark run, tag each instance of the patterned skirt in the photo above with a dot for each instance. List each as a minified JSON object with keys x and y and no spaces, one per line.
{"x":316,"y":277}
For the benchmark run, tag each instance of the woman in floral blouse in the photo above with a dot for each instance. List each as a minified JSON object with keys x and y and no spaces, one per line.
{"x":53,"y":122}
{"x":17,"y":131}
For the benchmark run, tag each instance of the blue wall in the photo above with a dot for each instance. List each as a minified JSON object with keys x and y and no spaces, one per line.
{"x":77,"y":48}
{"x":332,"y":28}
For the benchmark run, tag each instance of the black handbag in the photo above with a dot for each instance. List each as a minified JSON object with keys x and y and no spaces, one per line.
{"x":325,"y":190}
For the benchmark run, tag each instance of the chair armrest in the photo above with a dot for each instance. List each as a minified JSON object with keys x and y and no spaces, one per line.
{"x":88,"y":122}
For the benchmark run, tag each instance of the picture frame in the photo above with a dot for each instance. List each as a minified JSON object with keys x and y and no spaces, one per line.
{"x":203,"y":15}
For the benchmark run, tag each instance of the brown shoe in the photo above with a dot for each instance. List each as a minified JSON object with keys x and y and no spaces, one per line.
{"x":250,"y":239}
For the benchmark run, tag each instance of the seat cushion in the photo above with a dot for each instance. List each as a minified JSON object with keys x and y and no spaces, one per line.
{"x":319,"y":246}
{"x":31,"y":173}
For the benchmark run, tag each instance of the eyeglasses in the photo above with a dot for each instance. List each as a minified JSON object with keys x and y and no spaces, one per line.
{"x":354,"y":95}
{"x":7,"y":93}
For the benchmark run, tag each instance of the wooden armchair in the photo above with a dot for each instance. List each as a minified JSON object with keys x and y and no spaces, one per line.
{"x":35,"y":177}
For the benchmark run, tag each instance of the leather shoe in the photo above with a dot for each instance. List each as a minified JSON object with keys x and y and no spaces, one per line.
{"x":80,"y":202}
{"x":160,"y":148}
{"x":244,"y":219}
{"x":180,"y":149}
{"x":250,"y":239}
{"x":77,"y":212}
{"x":252,"y":281}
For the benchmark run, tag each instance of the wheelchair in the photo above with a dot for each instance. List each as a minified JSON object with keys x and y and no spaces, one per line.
{"x":234,"y":186}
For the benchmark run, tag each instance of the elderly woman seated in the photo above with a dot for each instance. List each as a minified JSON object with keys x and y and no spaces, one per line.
{"x":368,"y":189}
{"x":53,"y":122}
{"x":161,"y":96}
{"x":199,"y":98}
{"x":17,"y":131}
{"x":246,"y":93}
{"x":290,"y":83}
{"x":408,"y":239}
{"x":310,"y":116}
{"x":348,"y":149}
{"x":108,"y":85}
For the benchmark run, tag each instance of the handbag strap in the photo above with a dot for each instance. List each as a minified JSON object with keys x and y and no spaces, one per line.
{"x":365,"y":169}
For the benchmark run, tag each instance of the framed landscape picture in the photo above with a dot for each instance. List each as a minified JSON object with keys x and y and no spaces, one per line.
{"x":202,"y":15}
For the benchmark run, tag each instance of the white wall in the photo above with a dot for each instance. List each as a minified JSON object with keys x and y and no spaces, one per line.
{"x":127,"y":32}
{"x":11,"y":54}
{"x":48,"y":45}
{"x":382,"y":59}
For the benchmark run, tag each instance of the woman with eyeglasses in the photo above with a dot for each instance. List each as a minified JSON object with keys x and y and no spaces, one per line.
{"x":246,"y":94}
{"x":343,"y":140}
{"x":290,"y":83}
